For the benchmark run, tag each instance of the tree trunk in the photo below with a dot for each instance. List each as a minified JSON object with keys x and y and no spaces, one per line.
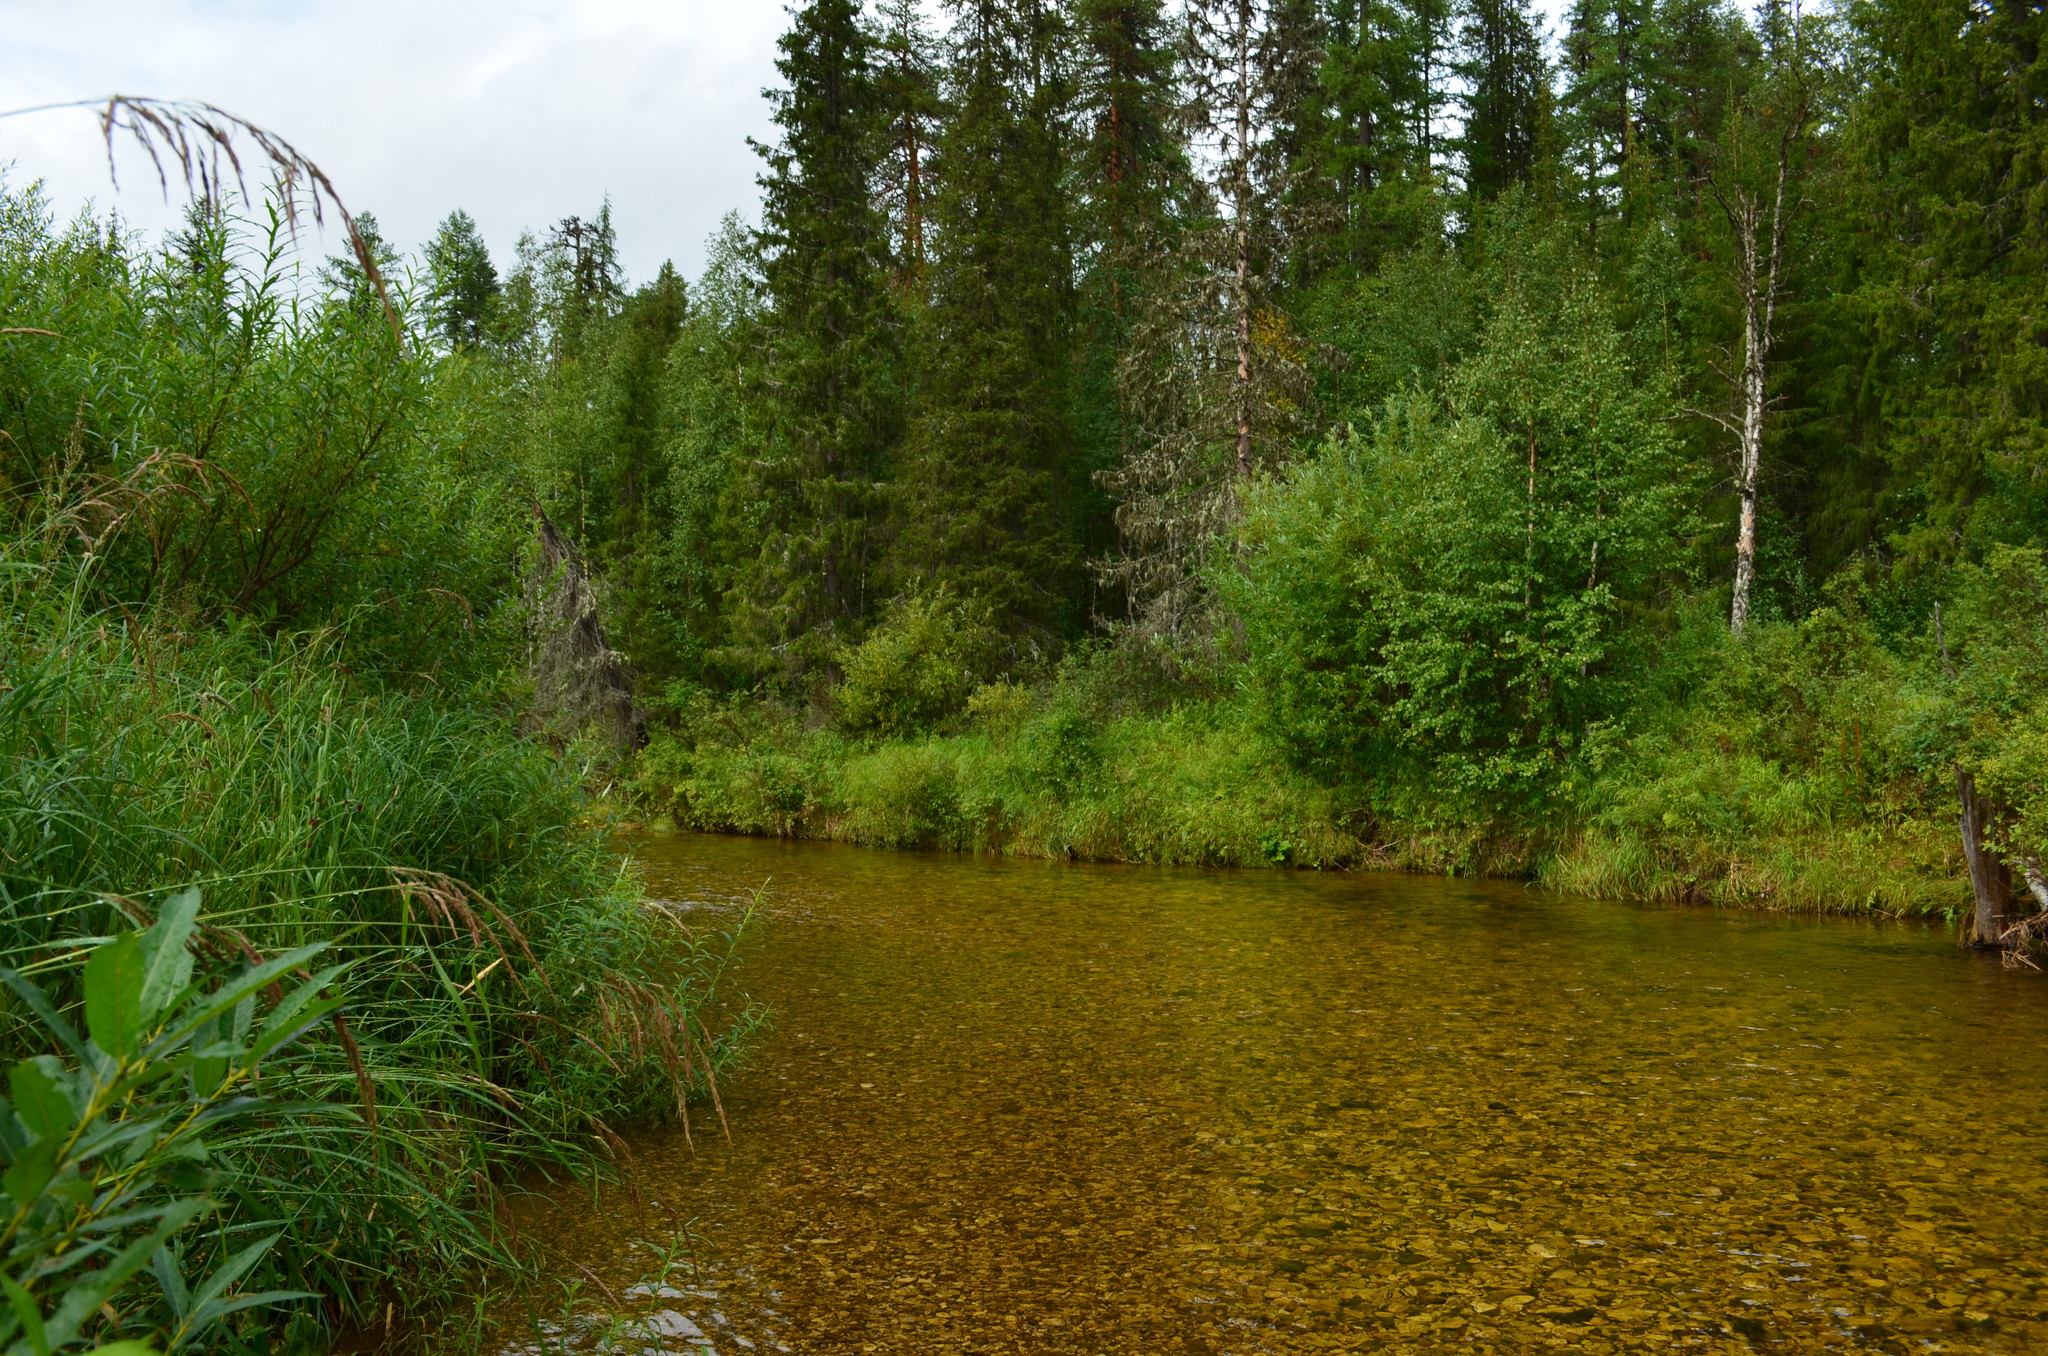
{"x":1243,"y":207}
{"x":1751,"y":395}
{"x":1988,"y":877}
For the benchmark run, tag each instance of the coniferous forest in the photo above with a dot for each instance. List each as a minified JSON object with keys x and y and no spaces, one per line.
{"x":1261,"y":433}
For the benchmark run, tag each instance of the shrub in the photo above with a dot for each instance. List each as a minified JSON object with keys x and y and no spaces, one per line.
{"x":918,"y":667}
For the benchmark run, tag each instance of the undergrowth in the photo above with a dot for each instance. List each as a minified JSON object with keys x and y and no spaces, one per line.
{"x":508,"y":999}
{"x":1775,"y":773}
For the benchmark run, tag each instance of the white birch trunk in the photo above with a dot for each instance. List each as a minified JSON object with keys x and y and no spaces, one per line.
{"x":1758,"y":263}
{"x":1243,"y":208}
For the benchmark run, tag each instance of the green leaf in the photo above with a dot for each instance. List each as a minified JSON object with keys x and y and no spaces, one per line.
{"x":209,"y":1059}
{"x":90,"y":1291}
{"x":39,"y":1097}
{"x":113,"y":995}
{"x":246,"y":984}
{"x":124,"y":1349}
{"x":170,"y":1278}
{"x":39,"y":1003}
{"x":209,"y":1302}
{"x":28,"y":1315}
{"x":169,"y":964}
{"x":32,"y":1171}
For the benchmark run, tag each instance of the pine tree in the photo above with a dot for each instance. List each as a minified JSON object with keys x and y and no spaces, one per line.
{"x":463,"y":281}
{"x":982,"y":511}
{"x":830,"y":386}
{"x":1507,"y":99}
{"x":907,"y":73}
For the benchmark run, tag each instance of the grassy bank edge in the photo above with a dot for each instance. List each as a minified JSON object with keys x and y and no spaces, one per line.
{"x":1188,"y":789}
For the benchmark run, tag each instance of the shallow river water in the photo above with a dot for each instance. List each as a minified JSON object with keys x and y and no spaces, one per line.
{"x":1023,"y":1107}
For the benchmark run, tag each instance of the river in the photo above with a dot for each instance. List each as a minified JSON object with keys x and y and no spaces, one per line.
{"x":1028,"y":1107}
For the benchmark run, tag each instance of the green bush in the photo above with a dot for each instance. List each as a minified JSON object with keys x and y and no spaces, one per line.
{"x":1460,"y":602}
{"x":917,"y":668}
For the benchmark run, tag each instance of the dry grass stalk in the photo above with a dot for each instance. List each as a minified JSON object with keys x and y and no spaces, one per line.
{"x":201,"y":143}
{"x":460,"y":908}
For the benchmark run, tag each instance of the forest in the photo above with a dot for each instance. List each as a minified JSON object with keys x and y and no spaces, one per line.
{"x":1257,"y":433}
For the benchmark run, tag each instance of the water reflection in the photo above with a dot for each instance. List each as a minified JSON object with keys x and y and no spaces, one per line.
{"x":1023,"y":1107}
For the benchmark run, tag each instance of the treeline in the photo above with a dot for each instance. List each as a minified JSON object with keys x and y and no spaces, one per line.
{"x":1433,"y":397}
{"x":1031,"y":295}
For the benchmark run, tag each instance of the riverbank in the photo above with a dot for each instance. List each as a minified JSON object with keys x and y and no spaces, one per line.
{"x":1677,"y":819}
{"x":505,"y":995}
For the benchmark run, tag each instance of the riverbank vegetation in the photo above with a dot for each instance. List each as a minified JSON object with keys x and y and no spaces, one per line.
{"x":311,"y":954}
{"x":1343,"y":435}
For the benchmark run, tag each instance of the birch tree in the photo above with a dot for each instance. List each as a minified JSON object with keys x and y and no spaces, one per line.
{"x":1758,"y":181}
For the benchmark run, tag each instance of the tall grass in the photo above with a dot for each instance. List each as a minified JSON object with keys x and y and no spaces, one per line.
{"x":508,"y":998}
{"x":1193,"y":787}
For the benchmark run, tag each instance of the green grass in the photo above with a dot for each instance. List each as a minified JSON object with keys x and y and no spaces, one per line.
{"x":1756,"y":792}
{"x":509,"y":999}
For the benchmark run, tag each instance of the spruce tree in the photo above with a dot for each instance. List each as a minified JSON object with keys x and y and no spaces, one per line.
{"x":579,"y":280}
{"x":463,"y":282}
{"x":1373,"y":79}
{"x":1507,"y":99}
{"x":830,"y":395}
{"x":1214,"y":377}
{"x":343,"y":274}
{"x":1606,"y":54}
{"x":981,"y":502}
{"x":1130,"y":173}
{"x":1128,"y":155}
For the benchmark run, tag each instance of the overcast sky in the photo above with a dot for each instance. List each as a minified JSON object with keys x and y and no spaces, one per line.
{"x":518,"y":111}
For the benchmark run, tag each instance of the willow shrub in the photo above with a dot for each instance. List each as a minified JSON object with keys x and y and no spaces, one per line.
{"x":1453,"y":608}
{"x":267,"y":453}
{"x":508,"y":998}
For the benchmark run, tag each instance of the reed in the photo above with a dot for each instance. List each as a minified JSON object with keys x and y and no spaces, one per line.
{"x":506,"y":998}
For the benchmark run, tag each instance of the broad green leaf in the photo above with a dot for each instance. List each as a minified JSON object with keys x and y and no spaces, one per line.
{"x":290,"y":1005}
{"x":246,"y":985}
{"x":221,"y":1308}
{"x":209,"y":1059}
{"x":124,"y":1349}
{"x":276,"y":1037}
{"x":26,"y":1313}
{"x":113,"y":995}
{"x":169,"y":1270}
{"x":32,"y":1171}
{"x":39,"y":1097}
{"x":210,"y":1303}
{"x":168,"y":963}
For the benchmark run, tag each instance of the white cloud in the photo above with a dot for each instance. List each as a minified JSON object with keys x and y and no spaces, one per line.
{"x":519,"y":112}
